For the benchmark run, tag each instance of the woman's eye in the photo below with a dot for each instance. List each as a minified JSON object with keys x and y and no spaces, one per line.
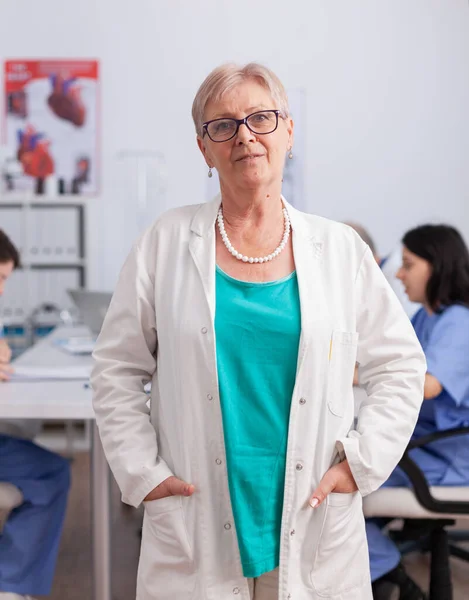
{"x":222,"y":126}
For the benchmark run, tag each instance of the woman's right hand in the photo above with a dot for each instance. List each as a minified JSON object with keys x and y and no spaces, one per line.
{"x":170,"y":487}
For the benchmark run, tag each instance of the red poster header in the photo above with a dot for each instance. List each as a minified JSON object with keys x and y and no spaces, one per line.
{"x":19,"y":72}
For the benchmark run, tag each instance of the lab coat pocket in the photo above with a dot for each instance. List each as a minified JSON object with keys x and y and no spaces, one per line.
{"x":335,"y":499}
{"x":342,"y":548}
{"x":155,"y":507}
{"x":342,"y":359}
{"x":166,"y":559}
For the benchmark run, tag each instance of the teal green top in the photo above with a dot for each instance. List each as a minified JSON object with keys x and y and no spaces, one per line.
{"x":257,"y":327}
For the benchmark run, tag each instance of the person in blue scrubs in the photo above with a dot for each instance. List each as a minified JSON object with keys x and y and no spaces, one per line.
{"x":435,"y":273}
{"x":29,"y":541}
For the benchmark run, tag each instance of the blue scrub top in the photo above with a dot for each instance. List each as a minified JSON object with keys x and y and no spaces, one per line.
{"x":445,"y":341}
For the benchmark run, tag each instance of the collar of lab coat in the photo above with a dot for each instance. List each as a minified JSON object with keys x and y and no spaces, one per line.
{"x":203,"y":221}
{"x":307,"y":251}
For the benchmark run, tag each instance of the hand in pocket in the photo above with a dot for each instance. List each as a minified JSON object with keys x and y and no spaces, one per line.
{"x":338,"y":479}
{"x":172,"y":486}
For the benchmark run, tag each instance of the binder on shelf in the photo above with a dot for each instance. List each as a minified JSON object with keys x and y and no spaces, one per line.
{"x":15,"y":303}
{"x":54,"y":235}
{"x":11,"y":222}
{"x":50,"y":284}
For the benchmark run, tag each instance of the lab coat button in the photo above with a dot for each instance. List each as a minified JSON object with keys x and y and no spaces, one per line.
{"x":299,"y":467}
{"x":204,"y":330}
{"x":292,"y":532}
{"x":302,"y":401}
{"x":236,"y":590}
{"x":218,"y":461}
{"x":227,"y":526}
{"x":209,"y":397}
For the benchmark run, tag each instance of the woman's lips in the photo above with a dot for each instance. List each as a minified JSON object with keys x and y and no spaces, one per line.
{"x":249,"y":157}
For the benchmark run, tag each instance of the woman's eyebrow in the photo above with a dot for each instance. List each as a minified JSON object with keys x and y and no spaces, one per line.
{"x":230,"y":115}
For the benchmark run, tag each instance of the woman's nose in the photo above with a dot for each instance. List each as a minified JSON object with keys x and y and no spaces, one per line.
{"x":244,"y":135}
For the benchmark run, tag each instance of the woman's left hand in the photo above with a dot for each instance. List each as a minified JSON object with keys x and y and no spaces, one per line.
{"x":338,"y":479}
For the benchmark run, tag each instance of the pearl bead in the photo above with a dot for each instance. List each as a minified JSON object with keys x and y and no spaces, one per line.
{"x":245,"y":259}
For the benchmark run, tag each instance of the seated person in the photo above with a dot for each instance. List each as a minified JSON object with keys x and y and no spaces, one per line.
{"x":435,"y":273}
{"x":30,"y":538}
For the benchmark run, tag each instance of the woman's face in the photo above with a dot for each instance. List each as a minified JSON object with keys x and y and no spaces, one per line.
{"x":247,"y":160}
{"x":414,"y":274}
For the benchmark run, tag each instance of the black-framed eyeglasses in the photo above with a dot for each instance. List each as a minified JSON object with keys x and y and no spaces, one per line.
{"x":261,"y":122}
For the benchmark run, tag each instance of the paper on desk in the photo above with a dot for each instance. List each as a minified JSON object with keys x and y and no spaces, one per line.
{"x":25,"y":373}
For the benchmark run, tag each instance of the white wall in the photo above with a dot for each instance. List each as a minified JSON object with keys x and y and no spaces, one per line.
{"x":387,"y":132}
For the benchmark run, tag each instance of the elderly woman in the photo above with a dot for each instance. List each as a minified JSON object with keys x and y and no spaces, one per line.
{"x":248,"y":317}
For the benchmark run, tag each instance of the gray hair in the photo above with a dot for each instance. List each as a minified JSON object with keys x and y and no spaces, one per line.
{"x":363,"y":233}
{"x":225,"y":77}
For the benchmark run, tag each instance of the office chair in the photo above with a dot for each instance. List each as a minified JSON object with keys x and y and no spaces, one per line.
{"x":427,"y":512}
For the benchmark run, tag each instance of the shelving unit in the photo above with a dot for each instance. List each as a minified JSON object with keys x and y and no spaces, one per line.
{"x":50,"y":235}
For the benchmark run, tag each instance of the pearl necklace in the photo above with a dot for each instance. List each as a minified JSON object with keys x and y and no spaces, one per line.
{"x":263,"y":259}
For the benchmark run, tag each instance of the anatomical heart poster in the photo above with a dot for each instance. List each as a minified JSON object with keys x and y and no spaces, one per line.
{"x":51,"y":128}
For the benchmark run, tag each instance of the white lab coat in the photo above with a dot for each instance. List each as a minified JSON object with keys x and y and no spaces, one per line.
{"x":160,"y":327}
{"x":392,"y":264}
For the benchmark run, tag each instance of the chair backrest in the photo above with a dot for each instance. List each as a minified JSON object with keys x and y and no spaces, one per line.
{"x":402,"y":503}
{"x":10,"y":498}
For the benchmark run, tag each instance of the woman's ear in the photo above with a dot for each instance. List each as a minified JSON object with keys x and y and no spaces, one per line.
{"x":290,"y":129}
{"x":205,"y":152}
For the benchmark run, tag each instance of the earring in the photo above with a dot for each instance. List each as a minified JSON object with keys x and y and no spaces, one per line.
{"x":210,"y":174}
{"x":290,"y":156}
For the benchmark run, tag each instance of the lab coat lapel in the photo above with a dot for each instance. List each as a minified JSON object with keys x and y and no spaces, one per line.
{"x":202,"y":248}
{"x":308,"y":248}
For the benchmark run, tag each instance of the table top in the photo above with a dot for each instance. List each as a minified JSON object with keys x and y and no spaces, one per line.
{"x":48,"y":399}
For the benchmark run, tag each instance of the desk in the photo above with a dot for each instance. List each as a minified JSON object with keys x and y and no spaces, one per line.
{"x":67,"y":400}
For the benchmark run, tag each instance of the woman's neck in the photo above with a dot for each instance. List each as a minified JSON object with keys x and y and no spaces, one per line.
{"x":251,"y":206}
{"x":256,"y":218}
{"x":429,"y":310}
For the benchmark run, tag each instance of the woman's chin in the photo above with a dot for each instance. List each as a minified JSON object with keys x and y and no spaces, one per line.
{"x":254,"y":178}
{"x":412,"y":298}
{"x":251,"y":180}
